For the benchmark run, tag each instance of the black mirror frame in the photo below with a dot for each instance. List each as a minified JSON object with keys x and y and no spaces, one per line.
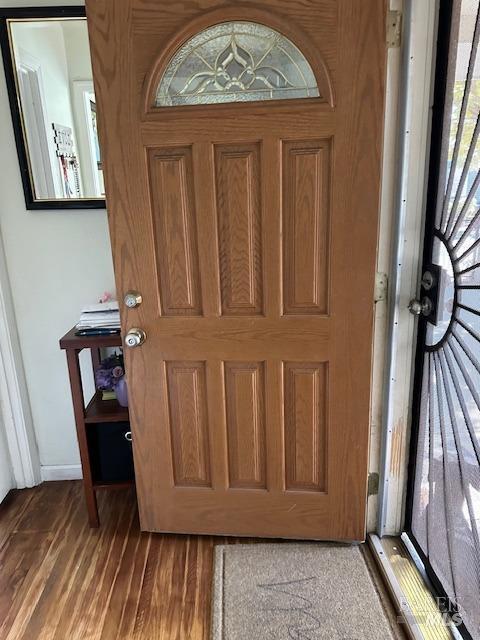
{"x":25,"y":13}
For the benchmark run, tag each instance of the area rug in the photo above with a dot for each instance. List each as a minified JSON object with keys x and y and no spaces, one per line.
{"x":297,"y":592}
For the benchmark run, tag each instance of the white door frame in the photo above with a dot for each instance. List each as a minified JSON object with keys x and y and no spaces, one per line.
{"x":14,"y":401}
{"x":30,"y":80}
{"x":415,"y":107}
{"x":84,"y":137}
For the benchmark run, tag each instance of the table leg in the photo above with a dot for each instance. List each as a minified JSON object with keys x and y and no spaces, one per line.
{"x":79,"y":412}
{"x":96,"y":358}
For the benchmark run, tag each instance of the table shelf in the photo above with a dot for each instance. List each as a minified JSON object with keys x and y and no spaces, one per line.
{"x":99,"y":410}
{"x":125,"y":484}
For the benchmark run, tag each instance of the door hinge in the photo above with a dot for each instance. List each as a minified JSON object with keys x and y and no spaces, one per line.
{"x":394,"y":28}
{"x":373,"y":482}
{"x":381,"y":286}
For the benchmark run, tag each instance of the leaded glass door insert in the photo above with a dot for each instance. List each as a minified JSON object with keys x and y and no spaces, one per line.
{"x":445,"y":495}
{"x":236,"y":62}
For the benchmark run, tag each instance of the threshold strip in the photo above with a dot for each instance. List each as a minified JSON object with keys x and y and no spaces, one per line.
{"x":417,"y":607}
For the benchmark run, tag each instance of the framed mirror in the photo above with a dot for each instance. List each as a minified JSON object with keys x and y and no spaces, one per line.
{"x":46,"y":58}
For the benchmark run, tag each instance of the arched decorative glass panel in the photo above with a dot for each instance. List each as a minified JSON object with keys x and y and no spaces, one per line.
{"x":236,"y":62}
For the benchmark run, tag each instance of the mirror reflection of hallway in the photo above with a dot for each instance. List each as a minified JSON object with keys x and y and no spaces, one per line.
{"x":51,"y":61}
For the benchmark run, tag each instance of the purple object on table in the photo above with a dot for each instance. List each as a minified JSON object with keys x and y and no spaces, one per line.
{"x":121,"y":392}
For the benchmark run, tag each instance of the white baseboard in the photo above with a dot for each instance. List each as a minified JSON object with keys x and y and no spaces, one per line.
{"x":61,"y":472}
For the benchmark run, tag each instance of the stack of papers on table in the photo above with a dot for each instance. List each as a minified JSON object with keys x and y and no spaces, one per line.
{"x":104,"y":315}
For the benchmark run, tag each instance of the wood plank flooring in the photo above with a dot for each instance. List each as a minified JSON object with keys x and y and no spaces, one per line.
{"x":61,"y":580}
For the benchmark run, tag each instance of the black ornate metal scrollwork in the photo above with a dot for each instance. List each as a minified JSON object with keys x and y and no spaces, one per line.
{"x":445,"y":498}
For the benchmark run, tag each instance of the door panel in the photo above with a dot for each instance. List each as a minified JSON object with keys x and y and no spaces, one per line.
{"x":305,"y":426}
{"x":306,"y":173}
{"x":245,"y":407}
{"x":189,"y":423}
{"x":175,"y":223}
{"x":250,"y":228}
{"x":239,"y":210}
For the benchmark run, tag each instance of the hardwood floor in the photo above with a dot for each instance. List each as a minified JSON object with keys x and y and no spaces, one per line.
{"x":61,"y":580}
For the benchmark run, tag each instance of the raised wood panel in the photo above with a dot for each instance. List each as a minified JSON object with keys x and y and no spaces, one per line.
{"x":306,"y":186}
{"x":239,"y":204}
{"x":175,"y":225}
{"x":306,"y":388}
{"x":245,"y":405}
{"x":189,"y":423}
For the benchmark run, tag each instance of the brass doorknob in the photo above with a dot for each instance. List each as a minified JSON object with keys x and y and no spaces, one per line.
{"x":135,"y":337}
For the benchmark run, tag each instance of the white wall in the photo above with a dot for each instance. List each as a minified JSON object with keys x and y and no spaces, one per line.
{"x":57,"y":262}
{"x":44,"y":41}
{"x":77,"y":50}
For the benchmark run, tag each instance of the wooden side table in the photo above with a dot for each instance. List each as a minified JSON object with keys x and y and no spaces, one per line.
{"x":97,"y":411}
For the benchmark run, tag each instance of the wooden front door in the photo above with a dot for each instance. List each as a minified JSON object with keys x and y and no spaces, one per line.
{"x":242,"y":150}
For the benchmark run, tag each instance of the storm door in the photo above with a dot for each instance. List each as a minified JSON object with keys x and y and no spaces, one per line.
{"x":443,"y":518}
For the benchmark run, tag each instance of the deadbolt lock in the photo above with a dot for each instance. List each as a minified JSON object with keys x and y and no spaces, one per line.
{"x":427,"y":305}
{"x":132,"y":299}
{"x":428,"y":280}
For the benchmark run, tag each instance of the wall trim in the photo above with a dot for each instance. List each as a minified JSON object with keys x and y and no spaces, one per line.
{"x":15,"y":411}
{"x":53,"y":472}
